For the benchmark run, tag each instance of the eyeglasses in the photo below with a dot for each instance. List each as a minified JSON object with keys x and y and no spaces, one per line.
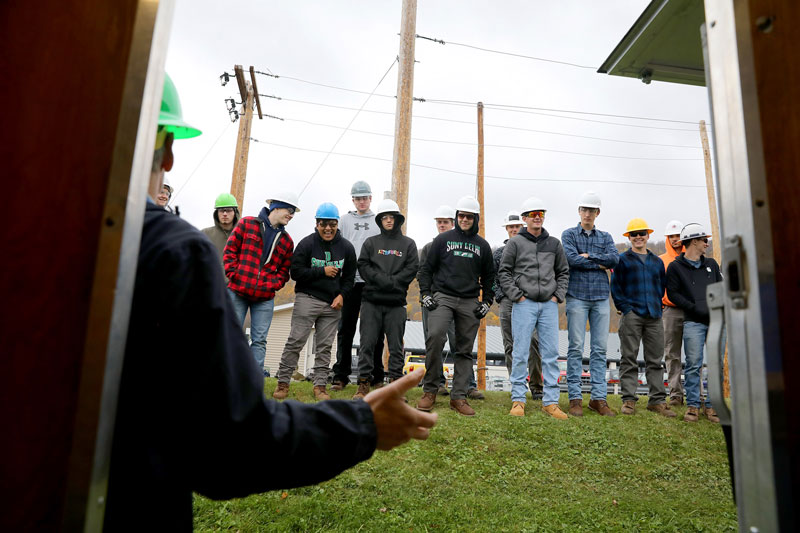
{"x":705,"y":240}
{"x":387,"y":217}
{"x":291,"y":210}
{"x":327,"y":223}
{"x":225,"y":210}
{"x":361,"y":198}
{"x":466,"y":216}
{"x":637,"y":234}
{"x":535,"y":214}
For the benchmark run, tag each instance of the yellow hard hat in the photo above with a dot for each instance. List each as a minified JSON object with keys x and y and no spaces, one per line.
{"x":637,"y":224}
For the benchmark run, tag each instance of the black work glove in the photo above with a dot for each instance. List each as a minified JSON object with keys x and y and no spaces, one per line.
{"x":429,"y":302}
{"x":481,"y":310}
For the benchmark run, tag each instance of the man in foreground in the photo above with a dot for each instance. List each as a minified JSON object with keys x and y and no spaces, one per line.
{"x":191,"y":414}
{"x":637,"y":287}
{"x":534,"y":274}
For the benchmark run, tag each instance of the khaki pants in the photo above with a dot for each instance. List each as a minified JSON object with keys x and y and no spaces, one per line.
{"x":672,"y":318}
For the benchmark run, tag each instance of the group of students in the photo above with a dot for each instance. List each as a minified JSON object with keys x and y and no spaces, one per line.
{"x":362,"y":264}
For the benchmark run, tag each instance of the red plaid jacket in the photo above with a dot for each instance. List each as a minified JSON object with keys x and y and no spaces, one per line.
{"x":242,"y":259}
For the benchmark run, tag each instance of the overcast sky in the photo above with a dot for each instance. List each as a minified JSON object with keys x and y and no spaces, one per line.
{"x":352,"y":44}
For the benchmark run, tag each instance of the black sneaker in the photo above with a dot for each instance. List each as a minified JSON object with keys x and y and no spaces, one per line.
{"x":537,"y":394}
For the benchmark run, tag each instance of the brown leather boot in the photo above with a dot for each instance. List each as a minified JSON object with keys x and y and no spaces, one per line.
{"x":282,"y":391}
{"x":363,"y":389}
{"x":426,"y":402}
{"x":601,"y":407}
{"x":711,"y":415}
{"x":576,"y":407}
{"x":462,"y":407}
{"x":662,"y":409}
{"x":321,"y":393}
{"x":337,"y":385}
{"x":475,"y":394}
{"x":628,"y":407}
{"x":691,"y":414}
{"x":676,"y":400}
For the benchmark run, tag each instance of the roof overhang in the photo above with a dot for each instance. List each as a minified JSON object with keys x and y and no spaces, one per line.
{"x":663,"y":45}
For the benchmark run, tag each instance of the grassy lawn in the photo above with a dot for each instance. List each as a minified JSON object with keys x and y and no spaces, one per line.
{"x":494,"y":472}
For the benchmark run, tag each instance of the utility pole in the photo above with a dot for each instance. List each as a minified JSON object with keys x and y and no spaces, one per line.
{"x":401,"y":161}
{"x":482,"y":233}
{"x":249,"y":93}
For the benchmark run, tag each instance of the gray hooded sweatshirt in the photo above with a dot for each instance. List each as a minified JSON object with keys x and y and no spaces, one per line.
{"x":357,"y":229}
{"x":534,"y":267}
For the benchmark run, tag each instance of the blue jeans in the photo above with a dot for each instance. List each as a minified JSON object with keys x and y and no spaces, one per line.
{"x":525,"y":316}
{"x":260,"y":319}
{"x":694,"y":342}
{"x":597,"y":312}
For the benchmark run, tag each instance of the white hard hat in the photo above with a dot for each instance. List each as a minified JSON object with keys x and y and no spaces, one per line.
{"x":444,"y":211}
{"x":589,"y":199}
{"x":673,"y":228}
{"x":387,"y":206}
{"x":512,"y":219}
{"x":693,"y":230}
{"x":287,"y":197}
{"x":167,"y":184}
{"x":468,"y":204}
{"x":533,"y":204}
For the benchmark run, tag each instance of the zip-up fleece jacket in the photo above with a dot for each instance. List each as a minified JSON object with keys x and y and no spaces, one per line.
{"x":686,"y":286}
{"x":247,"y":276}
{"x":218,"y":236}
{"x":357,"y":229}
{"x":311,"y":257}
{"x":388,"y":263}
{"x":497,"y":255}
{"x":668,"y":257}
{"x":534,"y":267}
{"x":459,"y":264}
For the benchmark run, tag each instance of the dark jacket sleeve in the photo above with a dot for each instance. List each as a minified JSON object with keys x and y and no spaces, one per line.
{"x":617,"y":286}
{"x":370,"y":273}
{"x":561,"y":267}
{"x":505,"y":272}
{"x":214,"y":409}
{"x":487,"y":274}
{"x":301,"y":268}
{"x":675,"y":290}
{"x":409,"y":271}
{"x":431,"y":265}
{"x":497,"y":255}
{"x":348,"y":273}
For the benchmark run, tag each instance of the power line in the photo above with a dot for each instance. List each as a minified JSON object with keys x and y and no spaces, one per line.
{"x":513,"y":54}
{"x":345,"y":130}
{"x":508,"y":146}
{"x":492,"y":126}
{"x":203,"y":158}
{"x":374,"y":158}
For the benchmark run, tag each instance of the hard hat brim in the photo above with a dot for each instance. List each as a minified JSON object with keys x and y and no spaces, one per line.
{"x":179,"y":128}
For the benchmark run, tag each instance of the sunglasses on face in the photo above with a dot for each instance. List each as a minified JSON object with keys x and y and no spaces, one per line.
{"x":291,"y":210}
{"x":327,"y":223}
{"x":466,"y":216}
{"x":637,"y":234}
{"x":535,"y":214}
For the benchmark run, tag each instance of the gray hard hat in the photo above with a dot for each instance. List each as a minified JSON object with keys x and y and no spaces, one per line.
{"x":360,"y":188}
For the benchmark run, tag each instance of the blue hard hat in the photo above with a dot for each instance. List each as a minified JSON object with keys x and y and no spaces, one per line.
{"x":327,"y":211}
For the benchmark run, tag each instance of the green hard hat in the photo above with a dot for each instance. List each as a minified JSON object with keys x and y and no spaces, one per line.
{"x":171,"y":114}
{"x":225,"y":200}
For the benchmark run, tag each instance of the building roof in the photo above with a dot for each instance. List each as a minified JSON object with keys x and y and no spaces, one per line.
{"x":664,"y":44}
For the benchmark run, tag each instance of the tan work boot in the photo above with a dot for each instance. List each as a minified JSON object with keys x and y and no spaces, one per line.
{"x":321,"y":393}
{"x":517,"y":409}
{"x":337,"y":385}
{"x":426,"y":402}
{"x":576,"y":407}
{"x":676,"y":400}
{"x":461,"y":407}
{"x":282,"y":391}
{"x":554,"y":411}
{"x":601,"y":407}
{"x":662,"y":409}
{"x":363,"y":390}
{"x":691,"y":414}
{"x":628,"y":407}
{"x":711,"y":414}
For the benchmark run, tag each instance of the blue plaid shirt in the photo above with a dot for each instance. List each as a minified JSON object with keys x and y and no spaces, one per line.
{"x":587,"y":281}
{"x":638,"y":286}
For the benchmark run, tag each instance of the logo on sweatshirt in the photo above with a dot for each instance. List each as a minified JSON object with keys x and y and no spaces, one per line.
{"x":326,"y":262}
{"x":463,"y":249}
{"x":358,"y":226}
{"x":398,"y":253}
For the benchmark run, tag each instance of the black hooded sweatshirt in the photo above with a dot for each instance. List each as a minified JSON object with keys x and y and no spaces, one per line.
{"x":459,"y":264}
{"x":686,"y":286}
{"x":312,"y":255}
{"x":388,"y":264}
